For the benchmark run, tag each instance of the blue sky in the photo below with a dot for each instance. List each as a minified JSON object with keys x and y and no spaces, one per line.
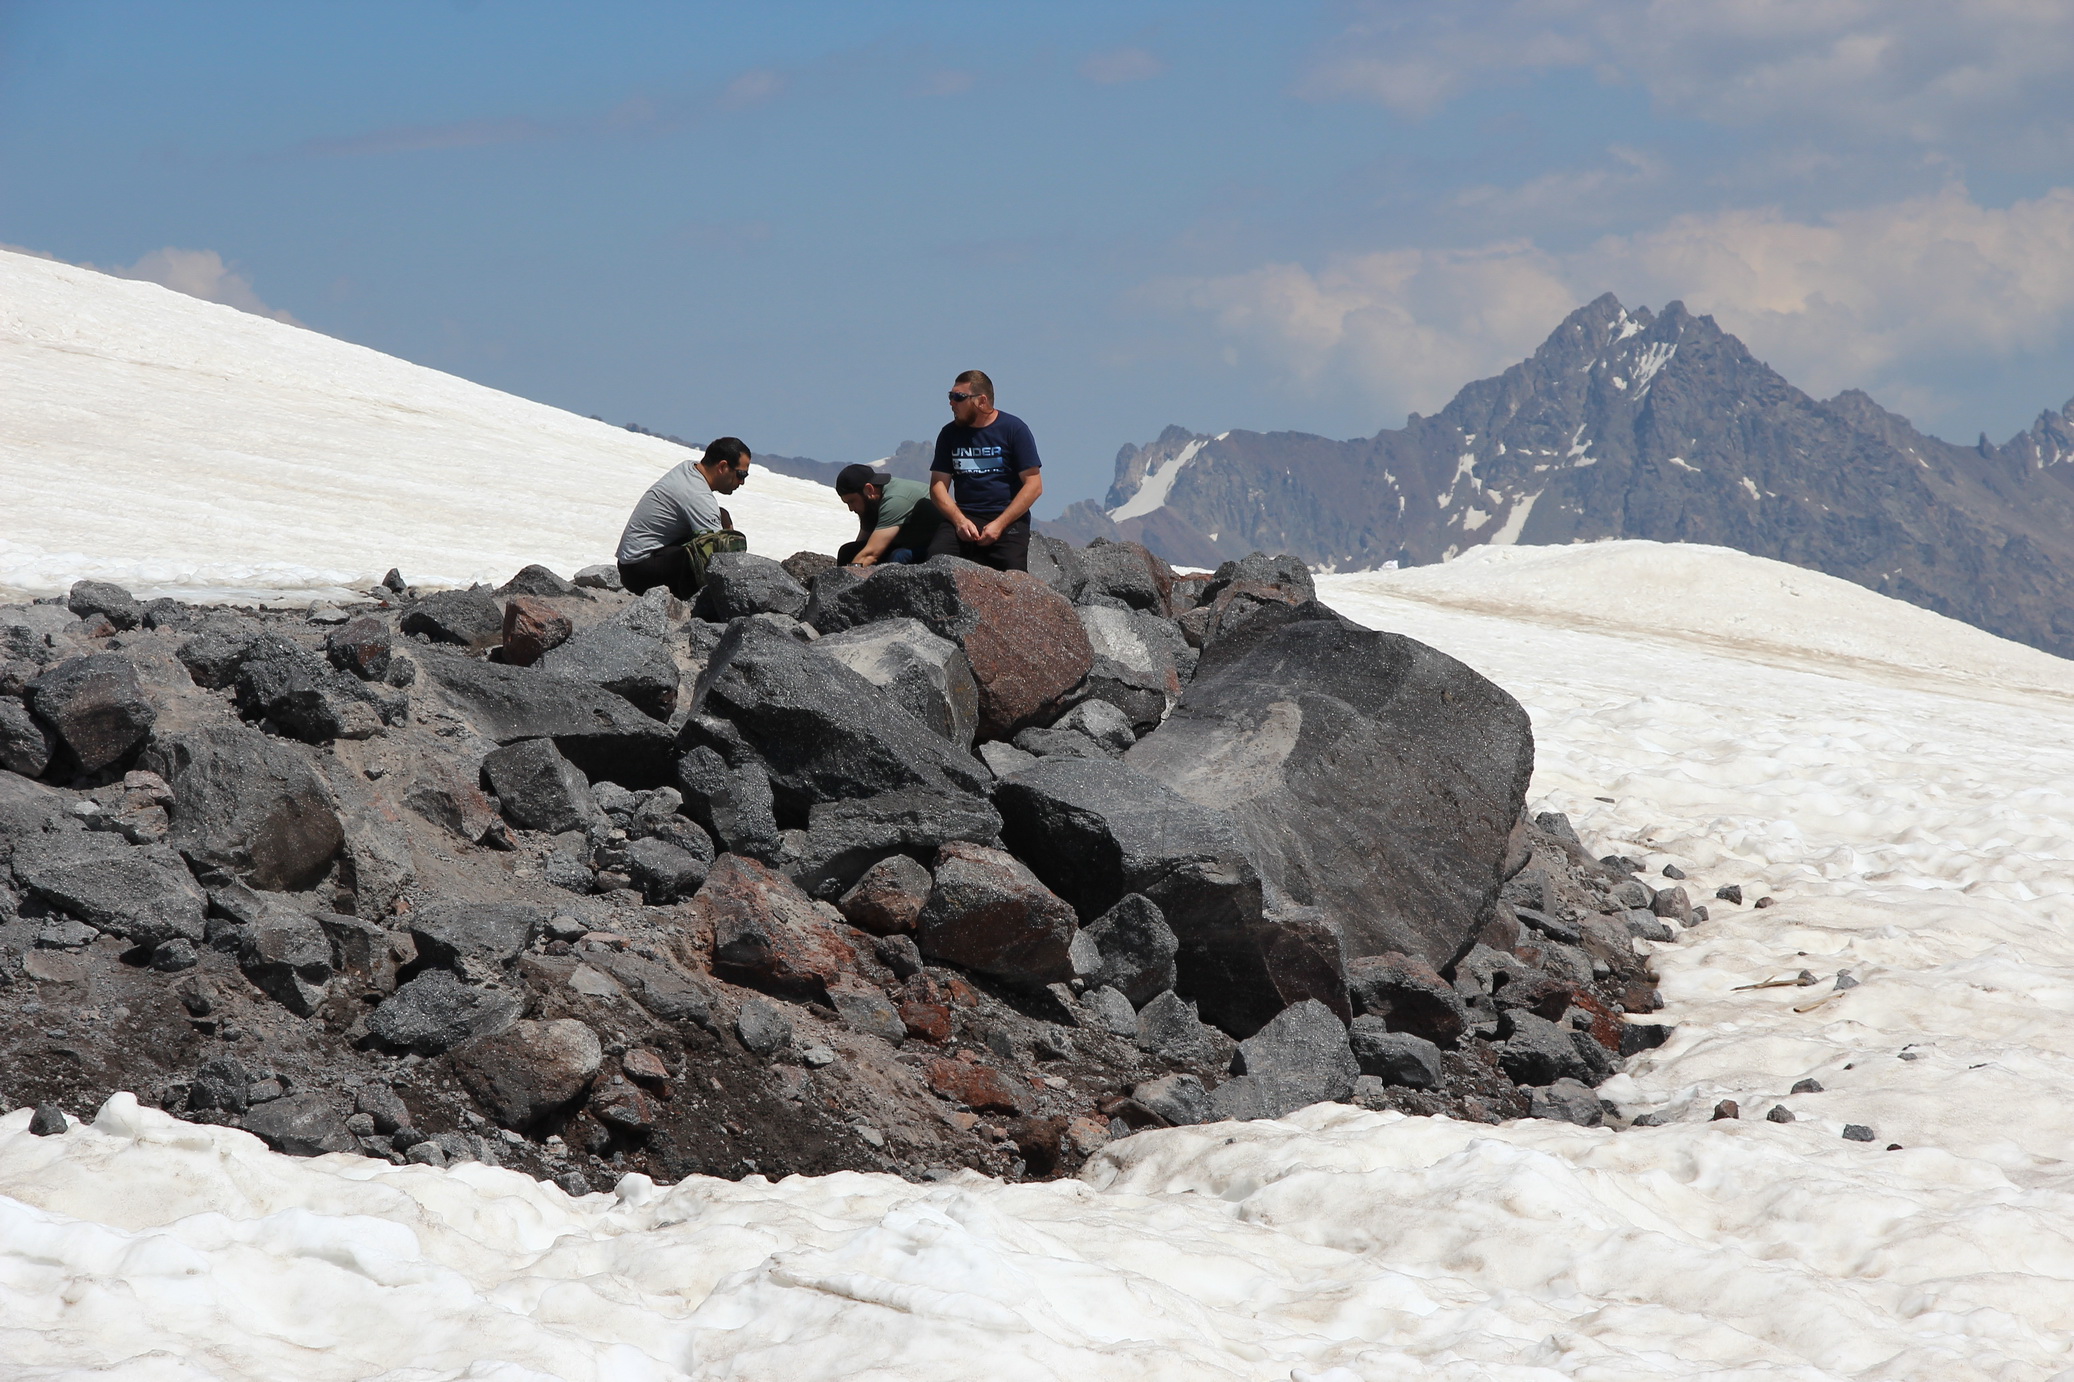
{"x":795,"y":222}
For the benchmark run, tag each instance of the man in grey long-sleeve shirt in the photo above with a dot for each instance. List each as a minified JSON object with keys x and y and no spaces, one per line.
{"x":676,"y":509}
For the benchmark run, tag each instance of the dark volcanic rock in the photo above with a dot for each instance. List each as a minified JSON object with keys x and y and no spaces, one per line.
{"x":470,"y":618}
{"x":1300,"y":1058}
{"x":532,"y":1072}
{"x":1169,"y":1027}
{"x":25,"y":745}
{"x":301,"y":695}
{"x":1139,"y":663}
{"x":927,"y":675}
{"x":824,"y":732}
{"x":106,"y":599}
{"x":287,"y":955}
{"x":362,"y":647}
{"x":1398,"y":1058}
{"x":1125,"y":571}
{"x":246,"y":802}
{"x":733,"y":803}
{"x":844,"y":838}
{"x":436,"y":1012}
{"x":596,"y":730}
{"x":1057,"y":564}
{"x":1408,"y":995}
{"x":618,"y":659}
{"x":213,"y":654}
{"x":989,"y":913}
{"x":768,"y":934}
{"x":95,"y":707}
{"x":739,"y":584}
{"x":538,"y":789}
{"x":1368,"y":774}
{"x":142,"y":893}
{"x":1021,"y":637}
{"x":1095,"y":830}
{"x":1129,"y":948}
{"x":1536,"y":1051}
{"x":537,"y":580}
{"x":665,"y":870}
{"x":309,"y":1124}
{"x":449,"y":932}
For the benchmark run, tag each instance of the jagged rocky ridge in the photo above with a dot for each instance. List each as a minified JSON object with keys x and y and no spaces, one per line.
{"x":929,"y":868}
{"x":1626,"y":424}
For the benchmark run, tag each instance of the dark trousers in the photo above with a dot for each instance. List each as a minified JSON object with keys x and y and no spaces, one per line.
{"x":1011,"y":553}
{"x":671,"y":567}
{"x":894,"y":555}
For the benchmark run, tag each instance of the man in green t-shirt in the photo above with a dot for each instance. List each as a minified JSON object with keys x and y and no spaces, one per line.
{"x":895,"y":519}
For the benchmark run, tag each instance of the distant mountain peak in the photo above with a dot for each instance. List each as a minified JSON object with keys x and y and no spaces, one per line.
{"x":1631,"y":423}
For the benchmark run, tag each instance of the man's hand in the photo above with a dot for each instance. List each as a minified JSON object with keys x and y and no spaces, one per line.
{"x":969,"y":530}
{"x":990,"y":534}
{"x":864,"y":559}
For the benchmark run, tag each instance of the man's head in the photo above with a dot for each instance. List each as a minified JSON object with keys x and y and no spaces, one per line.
{"x":860,"y":488}
{"x":972,"y":399}
{"x":725,"y":464}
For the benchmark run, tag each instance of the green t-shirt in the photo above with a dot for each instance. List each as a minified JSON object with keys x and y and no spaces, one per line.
{"x":905,"y":505}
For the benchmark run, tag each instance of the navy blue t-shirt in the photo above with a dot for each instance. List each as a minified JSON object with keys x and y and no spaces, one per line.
{"x":986,"y":464}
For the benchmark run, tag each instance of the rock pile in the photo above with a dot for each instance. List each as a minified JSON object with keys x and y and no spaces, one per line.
{"x":904,"y":870}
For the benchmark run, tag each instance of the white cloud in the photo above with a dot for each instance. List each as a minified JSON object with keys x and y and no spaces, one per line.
{"x":1873,"y":298}
{"x":1923,"y":72}
{"x":200,"y":274}
{"x":753,"y":87}
{"x":1119,"y":65}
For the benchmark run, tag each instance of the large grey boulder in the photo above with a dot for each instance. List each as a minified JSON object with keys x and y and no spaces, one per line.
{"x":665,"y":870}
{"x":248,"y":803}
{"x":288,"y":956}
{"x":1259,"y":568}
{"x":535,"y":1070}
{"x":823,"y":732}
{"x":1368,"y":774}
{"x":96,"y":708}
{"x":990,"y":914}
{"x":540,"y":580}
{"x":927,"y":675}
{"x":1179,"y":1099}
{"x":1170,"y":1027}
{"x":312,"y":1123}
{"x":105,"y":598}
{"x":448,"y":933}
{"x":538,"y":789}
{"x":1125,"y":571}
{"x":302,"y":695}
{"x":844,"y":838}
{"x":739,"y":584}
{"x":1141,"y":662}
{"x":597,"y":730}
{"x":1129,"y":948}
{"x":729,"y":794}
{"x":470,"y":618}
{"x":1300,"y":1058}
{"x":628,"y":663}
{"x":1397,"y":1058}
{"x":1535,"y":1051}
{"x":1057,"y":563}
{"x":213,"y":653}
{"x":143,"y":893}
{"x":436,"y":1012}
{"x":1095,"y":830}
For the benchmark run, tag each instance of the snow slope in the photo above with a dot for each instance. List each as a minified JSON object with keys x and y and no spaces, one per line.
{"x":1903,"y":786}
{"x":182,"y":447}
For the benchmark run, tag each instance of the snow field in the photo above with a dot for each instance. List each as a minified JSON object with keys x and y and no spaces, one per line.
{"x":185,"y":448}
{"x":1902,"y":785}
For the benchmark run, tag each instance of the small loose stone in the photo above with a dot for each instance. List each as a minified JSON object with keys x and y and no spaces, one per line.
{"x":1779,"y":1114}
{"x":1727,"y":1109}
{"x":1857,"y":1132}
{"x":1808,"y":1086}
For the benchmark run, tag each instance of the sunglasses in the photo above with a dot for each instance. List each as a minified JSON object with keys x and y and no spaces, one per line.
{"x":957,"y":397}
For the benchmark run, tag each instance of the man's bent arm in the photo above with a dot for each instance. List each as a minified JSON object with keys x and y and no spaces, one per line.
{"x":876,"y":546}
{"x":1032,"y":490}
{"x":940,"y":495}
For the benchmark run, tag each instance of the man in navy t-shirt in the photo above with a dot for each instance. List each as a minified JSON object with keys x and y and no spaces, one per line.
{"x":984,"y":479}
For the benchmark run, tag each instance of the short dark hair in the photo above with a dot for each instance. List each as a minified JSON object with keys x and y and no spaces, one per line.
{"x":853,"y":478}
{"x":978,"y":379}
{"x":726,"y":450}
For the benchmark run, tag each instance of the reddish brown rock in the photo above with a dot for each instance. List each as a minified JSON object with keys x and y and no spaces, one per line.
{"x":888,"y":898}
{"x":623,"y":1108}
{"x":645,"y":1067}
{"x":1026,"y":645}
{"x":768,"y":934}
{"x":928,"y":1021}
{"x":362,"y":646}
{"x":531,"y":627}
{"x":976,"y":1086}
{"x":989,"y":913}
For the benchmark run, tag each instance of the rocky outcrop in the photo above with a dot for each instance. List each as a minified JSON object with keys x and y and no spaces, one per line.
{"x":1368,"y":775}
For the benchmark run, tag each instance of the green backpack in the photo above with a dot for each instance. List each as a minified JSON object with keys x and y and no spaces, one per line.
{"x":706,"y":546}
